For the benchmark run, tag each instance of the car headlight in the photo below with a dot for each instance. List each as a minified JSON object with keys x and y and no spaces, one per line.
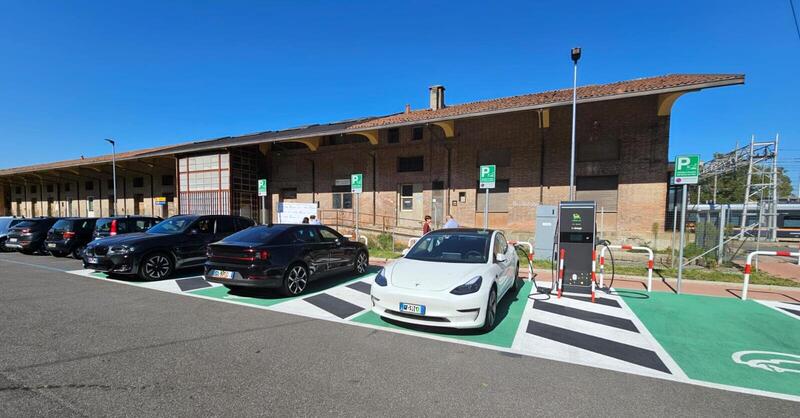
{"x":471,"y":286}
{"x":380,"y":279}
{"x":119,"y":250}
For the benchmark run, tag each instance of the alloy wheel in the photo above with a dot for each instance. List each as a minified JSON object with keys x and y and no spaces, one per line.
{"x":491,"y":312}
{"x":361,"y":263}
{"x":297,"y":280}
{"x":156,"y":267}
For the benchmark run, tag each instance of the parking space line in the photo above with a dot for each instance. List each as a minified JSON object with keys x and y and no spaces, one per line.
{"x":614,"y":349}
{"x":192,"y":283}
{"x":334,"y":305}
{"x":34,"y":265}
{"x":608,"y":320}
{"x":361,"y":286}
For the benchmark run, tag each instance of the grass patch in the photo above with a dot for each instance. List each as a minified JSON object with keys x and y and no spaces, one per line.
{"x":757,"y":277}
{"x":380,"y":253}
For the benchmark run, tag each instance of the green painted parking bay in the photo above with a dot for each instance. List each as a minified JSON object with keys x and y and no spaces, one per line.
{"x":509,"y":315}
{"x":271,"y":297}
{"x":724,"y":340}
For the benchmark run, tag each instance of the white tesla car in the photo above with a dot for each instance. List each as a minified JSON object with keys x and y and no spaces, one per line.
{"x":450,"y":278}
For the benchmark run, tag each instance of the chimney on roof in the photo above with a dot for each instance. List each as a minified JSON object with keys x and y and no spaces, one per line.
{"x":408,"y":108}
{"x":436,"y":97}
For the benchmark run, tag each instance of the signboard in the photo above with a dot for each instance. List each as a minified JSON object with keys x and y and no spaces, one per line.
{"x":687,"y":169}
{"x":293,"y":213}
{"x":160,"y":201}
{"x":262,"y":187}
{"x":488,"y":175}
{"x":356,"y":183}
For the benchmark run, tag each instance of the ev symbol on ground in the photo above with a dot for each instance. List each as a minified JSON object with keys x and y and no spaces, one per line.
{"x":768,"y":360}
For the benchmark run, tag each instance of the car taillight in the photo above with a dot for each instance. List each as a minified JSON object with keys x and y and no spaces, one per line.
{"x":69,"y":234}
{"x":262,"y":255}
{"x":113,"y":227}
{"x":24,"y":231}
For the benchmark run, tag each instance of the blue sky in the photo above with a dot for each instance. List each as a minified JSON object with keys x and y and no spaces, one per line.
{"x":155,"y":73}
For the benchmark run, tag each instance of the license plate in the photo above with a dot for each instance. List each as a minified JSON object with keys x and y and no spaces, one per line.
{"x":91,"y":260}
{"x":412,"y":308}
{"x":12,"y":240}
{"x":221,"y":274}
{"x":51,"y":245}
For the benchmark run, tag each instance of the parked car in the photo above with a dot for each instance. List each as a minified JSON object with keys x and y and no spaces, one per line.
{"x":69,"y":236}
{"x":28,"y":236}
{"x":174,"y":243}
{"x":449,"y":278}
{"x":6,"y":222}
{"x":118,"y":225}
{"x":284,"y":257}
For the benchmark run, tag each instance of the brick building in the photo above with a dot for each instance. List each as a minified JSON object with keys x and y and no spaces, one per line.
{"x":415,"y":163}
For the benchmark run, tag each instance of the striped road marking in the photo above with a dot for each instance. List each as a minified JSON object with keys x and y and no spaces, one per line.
{"x":571,"y":329}
{"x":791,"y":309}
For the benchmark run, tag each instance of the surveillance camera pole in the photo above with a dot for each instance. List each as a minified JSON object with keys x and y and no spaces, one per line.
{"x":576,"y":55}
{"x":114,"y":171}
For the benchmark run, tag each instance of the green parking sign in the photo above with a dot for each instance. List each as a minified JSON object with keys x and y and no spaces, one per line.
{"x":487,"y":176}
{"x":356,"y":183}
{"x":687,"y":169}
{"x":262,"y":187}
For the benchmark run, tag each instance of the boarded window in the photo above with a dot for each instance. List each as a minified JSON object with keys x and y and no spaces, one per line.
{"x":410,"y":164}
{"x":498,"y":197}
{"x":500,"y":157}
{"x":602,"y":189}
{"x":416,"y":133}
{"x":598,"y":148}
{"x":393,"y":136}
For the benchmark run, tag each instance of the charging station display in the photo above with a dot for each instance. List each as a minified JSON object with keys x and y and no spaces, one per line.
{"x":576,"y":242}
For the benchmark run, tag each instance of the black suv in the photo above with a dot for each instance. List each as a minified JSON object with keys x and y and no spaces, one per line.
{"x":177,"y":242}
{"x":28,"y":236}
{"x":6,"y":222}
{"x":69,"y":236}
{"x":118,"y":225}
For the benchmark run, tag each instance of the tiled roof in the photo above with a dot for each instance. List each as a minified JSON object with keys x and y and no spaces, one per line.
{"x":641,"y":85}
{"x":121,"y":156}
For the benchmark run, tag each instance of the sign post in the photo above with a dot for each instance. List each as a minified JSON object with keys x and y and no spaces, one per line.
{"x":687,"y":171}
{"x":356,"y":187}
{"x":262,"y":192}
{"x":487,"y":176}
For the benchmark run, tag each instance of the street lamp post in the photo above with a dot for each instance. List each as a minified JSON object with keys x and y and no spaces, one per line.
{"x":114,"y":170}
{"x":576,"y":55}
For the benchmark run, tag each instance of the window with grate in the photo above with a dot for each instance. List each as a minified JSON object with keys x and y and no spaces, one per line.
{"x":393,"y":136}
{"x":410,"y":164}
{"x":602,"y":189}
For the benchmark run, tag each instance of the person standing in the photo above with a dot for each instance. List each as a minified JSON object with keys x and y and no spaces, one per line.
{"x":426,"y":225}
{"x":313,"y":220}
{"x":451,"y":222}
{"x":305,"y":220}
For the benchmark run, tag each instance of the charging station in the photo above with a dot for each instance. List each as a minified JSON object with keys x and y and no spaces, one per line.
{"x":576,"y":246}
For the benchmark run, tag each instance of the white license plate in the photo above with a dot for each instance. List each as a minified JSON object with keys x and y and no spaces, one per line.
{"x":412,"y":308}
{"x":12,"y":240}
{"x":51,"y":245}
{"x":221,"y":274}
{"x":91,"y":260}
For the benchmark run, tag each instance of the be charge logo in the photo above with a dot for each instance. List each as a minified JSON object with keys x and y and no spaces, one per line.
{"x":768,"y":360}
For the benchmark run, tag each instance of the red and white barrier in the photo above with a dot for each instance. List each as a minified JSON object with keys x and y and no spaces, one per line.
{"x":749,"y":263}
{"x":650,"y":262}
{"x":562,"y":253}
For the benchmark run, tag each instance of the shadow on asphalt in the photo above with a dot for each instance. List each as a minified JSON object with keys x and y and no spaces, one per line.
{"x":319,"y":285}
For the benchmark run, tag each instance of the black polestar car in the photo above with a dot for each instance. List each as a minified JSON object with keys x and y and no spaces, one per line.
{"x":284,"y":257}
{"x":177,"y":242}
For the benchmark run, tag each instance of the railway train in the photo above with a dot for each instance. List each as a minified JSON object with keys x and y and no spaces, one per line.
{"x":788,"y":217}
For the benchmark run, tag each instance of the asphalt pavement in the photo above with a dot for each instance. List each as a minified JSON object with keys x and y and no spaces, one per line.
{"x":73,"y":346}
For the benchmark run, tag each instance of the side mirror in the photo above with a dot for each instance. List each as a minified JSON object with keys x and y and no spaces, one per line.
{"x":500,"y":258}
{"x":338,"y":241}
{"x":405,"y":251}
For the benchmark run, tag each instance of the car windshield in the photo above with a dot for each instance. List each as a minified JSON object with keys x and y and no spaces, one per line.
{"x":6,"y":223}
{"x":27,"y":224}
{"x":456,"y":247}
{"x":259,"y":234}
{"x":62,"y":225}
{"x":103,"y":225}
{"x":171,"y":226}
